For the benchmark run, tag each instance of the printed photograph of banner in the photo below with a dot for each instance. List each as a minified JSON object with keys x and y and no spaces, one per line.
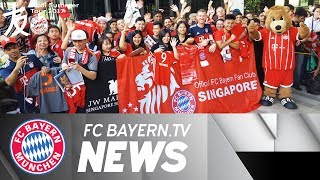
{"x":200,"y":82}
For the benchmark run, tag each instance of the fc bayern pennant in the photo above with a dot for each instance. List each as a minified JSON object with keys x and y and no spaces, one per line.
{"x":37,"y":146}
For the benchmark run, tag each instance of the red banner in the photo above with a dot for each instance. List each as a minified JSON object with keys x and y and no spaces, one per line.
{"x":200,"y":82}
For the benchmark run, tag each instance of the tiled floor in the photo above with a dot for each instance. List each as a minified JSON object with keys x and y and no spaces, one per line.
{"x":307,"y":103}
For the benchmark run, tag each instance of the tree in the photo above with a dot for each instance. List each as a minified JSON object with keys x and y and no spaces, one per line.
{"x":252,"y":6}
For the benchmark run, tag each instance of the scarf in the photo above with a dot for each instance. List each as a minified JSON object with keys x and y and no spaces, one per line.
{"x":85,"y":55}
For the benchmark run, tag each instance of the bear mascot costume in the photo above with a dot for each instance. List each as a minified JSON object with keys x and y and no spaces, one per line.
{"x":279,"y":38}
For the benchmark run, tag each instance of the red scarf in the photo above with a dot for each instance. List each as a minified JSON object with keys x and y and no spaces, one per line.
{"x":85,"y":55}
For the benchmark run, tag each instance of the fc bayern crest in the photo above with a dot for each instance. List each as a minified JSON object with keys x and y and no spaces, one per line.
{"x":202,"y":56}
{"x":37,"y":146}
{"x":39,"y":25}
{"x":183,"y":102}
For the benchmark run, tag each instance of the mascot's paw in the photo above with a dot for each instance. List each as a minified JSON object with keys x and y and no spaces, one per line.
{"x":267,"y":101}
{"x":251,"y":27}
{"x":303,"y":30}
{"x":288,"y":103}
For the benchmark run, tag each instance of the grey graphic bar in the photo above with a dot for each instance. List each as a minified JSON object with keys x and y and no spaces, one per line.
{"x":8,"y":172}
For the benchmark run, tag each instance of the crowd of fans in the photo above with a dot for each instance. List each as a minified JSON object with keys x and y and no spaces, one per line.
{"x":67,"y":46}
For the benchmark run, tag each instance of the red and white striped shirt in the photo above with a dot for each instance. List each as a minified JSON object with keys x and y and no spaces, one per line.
{"x":279,"y":49}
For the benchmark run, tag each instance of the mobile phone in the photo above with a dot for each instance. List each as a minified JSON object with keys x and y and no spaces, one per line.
{"x":72,"y":60}
{"x":26,"y":57}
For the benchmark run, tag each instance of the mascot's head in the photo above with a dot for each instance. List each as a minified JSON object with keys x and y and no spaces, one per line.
{"x":278,"y":19}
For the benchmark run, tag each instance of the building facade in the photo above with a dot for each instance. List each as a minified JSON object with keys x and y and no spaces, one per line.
{"x":117,"y":7}
{"x":91,"y":8}
{"x":297,"y":3}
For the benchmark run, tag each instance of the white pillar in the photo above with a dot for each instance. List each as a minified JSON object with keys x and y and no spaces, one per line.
{"x":295,"y":3}
{"x":239,"y":4}
{"x":279,"y":2}
{"x":107,"y":6}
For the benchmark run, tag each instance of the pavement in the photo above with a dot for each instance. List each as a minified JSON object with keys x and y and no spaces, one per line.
{"x":307,"y":103}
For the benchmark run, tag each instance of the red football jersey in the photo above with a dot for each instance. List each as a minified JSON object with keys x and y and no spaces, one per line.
{"x":237,"y":29}
{"x":128,"y":50}
{"x":116,"y":38}
{"x":164,"y":61}
{"x":220,"y":35}
{"x":279,"y":49}
{"x":89,"y":26}
{"x":114,"y":53}
{"x":75,"y":97}
{"x":57,"y":48}
{"x":149,"y":28}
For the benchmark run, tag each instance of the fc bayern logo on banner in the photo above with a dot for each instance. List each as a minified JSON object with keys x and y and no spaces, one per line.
{"x":183,"y":102}
{"x":37,"y":146}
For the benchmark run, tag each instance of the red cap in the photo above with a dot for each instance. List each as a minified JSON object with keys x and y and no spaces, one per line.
{"x":64,"y":12}
{"x":6,"y":41}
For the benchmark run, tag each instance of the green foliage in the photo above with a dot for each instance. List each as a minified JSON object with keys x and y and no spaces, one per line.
{"x":252,"y":6}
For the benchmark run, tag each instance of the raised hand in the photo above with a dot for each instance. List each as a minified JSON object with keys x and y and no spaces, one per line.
{"x":187,"y":10}
{"x":140,"y":4}
{"x":173,"y":42}
{"x":182,"y":1}
{"x":174,"y":8}
{"x":70,"y":25}
{"x":147,"y":17}
{"x":95,"y":19}
{"x":184,"y":4}
{"x":310,"y":8}
{"x":252,"y":30}
{"x":108,"y":16}
{"x":125,"y":29}
{"x":265,"y":10}
{"x":211,"y":10}
{"x":251,"y":27}
{"x":210,"y":4}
